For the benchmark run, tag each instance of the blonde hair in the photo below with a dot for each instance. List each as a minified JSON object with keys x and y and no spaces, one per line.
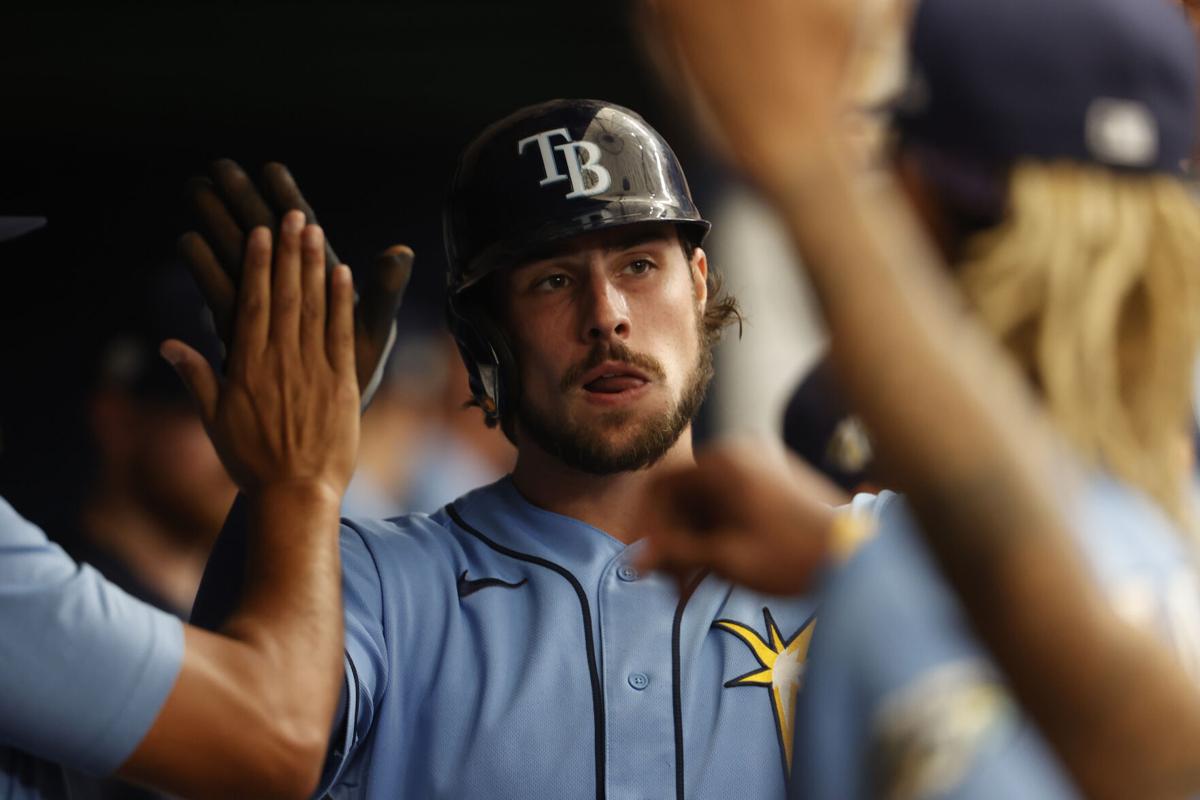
{"x":1093,"y":283}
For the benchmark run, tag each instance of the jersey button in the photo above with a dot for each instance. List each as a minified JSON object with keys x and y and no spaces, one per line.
{"x":627,"y":573}
{"x":638,"y":680}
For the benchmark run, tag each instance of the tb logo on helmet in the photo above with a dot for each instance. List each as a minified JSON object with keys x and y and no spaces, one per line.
{"x":582,"y":159}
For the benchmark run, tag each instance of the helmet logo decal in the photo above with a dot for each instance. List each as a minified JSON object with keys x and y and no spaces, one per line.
{"x":588,"y":177}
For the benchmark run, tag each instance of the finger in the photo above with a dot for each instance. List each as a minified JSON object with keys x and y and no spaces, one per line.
{"x":253,"y":317}
{"x":197,"y":375}
{"x":312,"y":289}
{"x":339,"y":340}
{"x":651,"y":557}
{"x":220,"y":229}
{"x":383,"y":291}
{"x":670,"y":548}
{"x":284,"y":195}
{"x":673,"y":558}
{"x":774,"y":571}
{"x":241,"y":196}
{"x":214,"y":284}
{"x":285,"y":281}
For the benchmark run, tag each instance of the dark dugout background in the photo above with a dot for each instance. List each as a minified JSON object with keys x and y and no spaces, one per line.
{"x":108,"y":108}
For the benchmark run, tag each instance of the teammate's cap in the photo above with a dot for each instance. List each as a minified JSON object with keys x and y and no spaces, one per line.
{"x":1112,"y":82}
{"x":12,"y":227}
{"x":169,"y":306}
{"x":819,"y":427}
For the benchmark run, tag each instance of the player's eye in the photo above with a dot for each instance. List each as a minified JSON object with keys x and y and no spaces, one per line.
{"x":639,"y":266}
{"x":552,"y":283}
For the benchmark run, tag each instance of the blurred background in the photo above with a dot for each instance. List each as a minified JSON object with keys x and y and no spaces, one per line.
{"x":109,"y":107}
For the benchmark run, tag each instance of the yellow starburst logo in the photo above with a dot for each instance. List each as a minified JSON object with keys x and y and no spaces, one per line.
{"x":782,"y":669}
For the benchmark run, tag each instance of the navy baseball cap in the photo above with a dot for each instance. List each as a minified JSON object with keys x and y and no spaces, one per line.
{"x":170,"y":306}
{"x":1111,"y":82}
{"x":819,"y":427}
{"x":12,"y":227}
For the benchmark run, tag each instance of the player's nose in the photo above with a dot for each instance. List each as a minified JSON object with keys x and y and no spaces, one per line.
{"x":606,"y":311}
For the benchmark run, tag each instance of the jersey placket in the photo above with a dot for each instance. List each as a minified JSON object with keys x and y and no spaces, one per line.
{"x":635,"y":615}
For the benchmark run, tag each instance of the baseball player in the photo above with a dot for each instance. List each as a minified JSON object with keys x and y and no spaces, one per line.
{"x":98,"y":682}
{"x":1041,"y":145}
{"x":504,"y":646}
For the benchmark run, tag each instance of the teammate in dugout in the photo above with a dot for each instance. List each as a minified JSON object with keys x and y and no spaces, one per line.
{"x":98,"y":682}
{"x":1041,"y":146}
{"x":504,"y":646}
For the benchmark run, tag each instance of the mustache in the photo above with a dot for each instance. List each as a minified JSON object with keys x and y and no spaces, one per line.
{"x":612,"y":351}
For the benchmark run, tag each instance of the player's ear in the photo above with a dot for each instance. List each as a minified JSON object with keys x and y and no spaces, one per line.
{"x":699,"y":269}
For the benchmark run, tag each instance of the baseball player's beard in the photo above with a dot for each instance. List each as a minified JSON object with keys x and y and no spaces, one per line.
{"x":587,"y":447}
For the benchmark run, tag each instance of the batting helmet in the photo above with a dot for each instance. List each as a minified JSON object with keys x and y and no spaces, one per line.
{"x":541,"y":174}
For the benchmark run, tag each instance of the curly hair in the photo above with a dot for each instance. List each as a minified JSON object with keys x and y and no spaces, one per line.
{"x":722,"y":309}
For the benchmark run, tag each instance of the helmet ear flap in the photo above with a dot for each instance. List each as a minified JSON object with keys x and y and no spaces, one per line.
{"x":491,"y":368}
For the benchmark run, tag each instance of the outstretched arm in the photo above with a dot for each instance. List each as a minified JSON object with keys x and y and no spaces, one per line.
{"x":252,"y":708}
{"x":940,"y":400}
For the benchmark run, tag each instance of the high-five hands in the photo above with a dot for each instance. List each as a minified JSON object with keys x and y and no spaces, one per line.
{"x":228,"y":206}
{"x":286,"y":413}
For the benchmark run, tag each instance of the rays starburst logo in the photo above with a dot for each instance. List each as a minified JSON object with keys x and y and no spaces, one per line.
{"x":781,"y":663}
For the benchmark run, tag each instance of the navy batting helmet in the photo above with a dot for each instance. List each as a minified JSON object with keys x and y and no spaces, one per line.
{"x":541,"y":174}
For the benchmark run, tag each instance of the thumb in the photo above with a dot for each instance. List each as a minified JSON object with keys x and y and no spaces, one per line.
{"x":194,"y":370}
{"x":384,"y":288}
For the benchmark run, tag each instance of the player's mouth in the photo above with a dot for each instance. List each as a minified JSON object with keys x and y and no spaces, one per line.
{"x":614,"y":382}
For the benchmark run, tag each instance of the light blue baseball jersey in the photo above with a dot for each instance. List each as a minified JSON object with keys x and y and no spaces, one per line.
{"x":495,"y":649}
{"x":901,"y":700}
{"x":84,"y":667}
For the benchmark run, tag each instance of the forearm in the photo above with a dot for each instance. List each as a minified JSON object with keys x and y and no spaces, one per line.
{"x":291,"y":613}
{"x":258,"y":696}
{"x":942,"y":408}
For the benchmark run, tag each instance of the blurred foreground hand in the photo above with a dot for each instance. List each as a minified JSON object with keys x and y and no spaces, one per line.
{"x":772,"y":76}
{"x":748,"y":511}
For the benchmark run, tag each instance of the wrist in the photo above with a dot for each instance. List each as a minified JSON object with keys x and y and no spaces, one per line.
{"x":310,"y":494}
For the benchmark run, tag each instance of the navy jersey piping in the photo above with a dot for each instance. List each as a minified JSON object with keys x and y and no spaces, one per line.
{"x":677,"y":681}
{"x":585,"y":608}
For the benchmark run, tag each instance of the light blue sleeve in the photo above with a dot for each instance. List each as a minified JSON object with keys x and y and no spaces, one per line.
{"x":86,"y":668}
{"x":366,"y":653}
{"x":899,"y":697}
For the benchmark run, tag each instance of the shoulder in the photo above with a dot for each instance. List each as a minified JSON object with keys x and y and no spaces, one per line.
{"x":887,"y":607}
{"x":917,"y":699}
{"x":27,"y":557}
{"x":1123,"y":532}
{"x":91,"y":709}
{"x":406,"y":555}
{"x":387,"y":563}
{"x":439,"y":534}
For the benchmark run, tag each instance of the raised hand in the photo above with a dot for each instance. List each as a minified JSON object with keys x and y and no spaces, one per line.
{"x":287,"y":412}
{"x":765,"y":523}
{"x":770,"y":74}
{"x":228,"y":205}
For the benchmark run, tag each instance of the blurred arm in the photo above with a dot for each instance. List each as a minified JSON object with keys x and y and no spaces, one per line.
{"x":941,"y":403}
{"x":943,"y":407}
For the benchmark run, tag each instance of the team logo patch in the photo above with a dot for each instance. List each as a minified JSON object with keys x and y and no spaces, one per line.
{"x":927,"y":735}
{"x":781,"y":670}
